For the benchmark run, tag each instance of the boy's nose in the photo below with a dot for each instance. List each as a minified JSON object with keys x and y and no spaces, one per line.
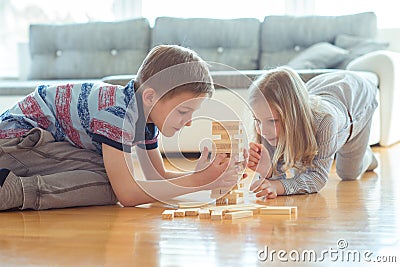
{"x":188,"y":123}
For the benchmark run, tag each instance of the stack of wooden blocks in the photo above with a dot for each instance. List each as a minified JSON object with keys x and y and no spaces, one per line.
{"x":228,"y":139}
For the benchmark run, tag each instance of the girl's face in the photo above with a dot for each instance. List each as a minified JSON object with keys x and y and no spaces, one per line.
{"x":173,"y":113}
{"x":267,"y":121}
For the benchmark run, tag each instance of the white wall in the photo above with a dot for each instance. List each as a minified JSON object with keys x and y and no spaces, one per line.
{"x":391,"y":35}
{"x":7,"y":102}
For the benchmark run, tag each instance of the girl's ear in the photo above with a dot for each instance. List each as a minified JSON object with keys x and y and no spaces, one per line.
{"x":149,"y":97}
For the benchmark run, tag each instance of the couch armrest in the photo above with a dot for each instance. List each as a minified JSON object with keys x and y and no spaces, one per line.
{"x":386,"y":64}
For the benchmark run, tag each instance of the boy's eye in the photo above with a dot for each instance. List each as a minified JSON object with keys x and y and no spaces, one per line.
{"x":182,"y":112}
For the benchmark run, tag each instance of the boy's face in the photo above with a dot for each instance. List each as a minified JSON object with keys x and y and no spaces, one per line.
{"x":267,"y":121}
{"x":170,"y":114}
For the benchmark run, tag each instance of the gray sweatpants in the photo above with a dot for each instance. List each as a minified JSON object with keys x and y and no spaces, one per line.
{"x":354,"y":157}
{"x":56,"y":174}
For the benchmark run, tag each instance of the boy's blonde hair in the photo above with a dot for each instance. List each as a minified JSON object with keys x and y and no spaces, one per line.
{"x":283,"y":89}
{"x":170,"y":69}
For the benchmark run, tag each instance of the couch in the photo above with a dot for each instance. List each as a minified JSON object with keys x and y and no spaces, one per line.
{"x":238,"y":50}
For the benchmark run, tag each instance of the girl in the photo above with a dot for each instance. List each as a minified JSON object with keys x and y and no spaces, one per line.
{"x":303,"y":126}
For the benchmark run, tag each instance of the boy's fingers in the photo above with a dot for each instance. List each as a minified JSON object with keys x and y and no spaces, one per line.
{"x":204,"y":154}
{"x":219,"y":158}
{"x":255,"y":185}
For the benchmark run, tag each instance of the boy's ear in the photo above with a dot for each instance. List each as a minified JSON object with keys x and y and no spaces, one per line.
{"x":149,"y":96}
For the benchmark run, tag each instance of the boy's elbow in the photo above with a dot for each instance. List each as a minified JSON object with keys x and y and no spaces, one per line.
{"x":132,"y":201}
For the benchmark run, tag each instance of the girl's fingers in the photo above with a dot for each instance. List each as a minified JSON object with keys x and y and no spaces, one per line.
{"x":255,"y":185}
{"x":254,"y":154}
{"x":254,"y":159}
{"x":267,"y":193}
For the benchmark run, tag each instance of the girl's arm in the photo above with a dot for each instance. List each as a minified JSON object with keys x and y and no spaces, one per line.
{"x":314,"y":178}
{"x":132,"y":192}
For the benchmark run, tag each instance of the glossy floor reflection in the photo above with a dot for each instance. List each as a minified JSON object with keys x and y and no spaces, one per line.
{"x":346,"y":220}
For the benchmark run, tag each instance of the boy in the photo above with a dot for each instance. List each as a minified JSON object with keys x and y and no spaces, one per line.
{"x":68,"y":145}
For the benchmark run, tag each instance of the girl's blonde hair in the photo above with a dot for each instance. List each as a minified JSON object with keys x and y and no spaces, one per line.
{"x":170,"y":69}
{"x":283,"y":89}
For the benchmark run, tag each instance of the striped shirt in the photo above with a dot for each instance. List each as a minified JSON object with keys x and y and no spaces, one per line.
{"x":341,"y":93}
{"x":84,"y":114}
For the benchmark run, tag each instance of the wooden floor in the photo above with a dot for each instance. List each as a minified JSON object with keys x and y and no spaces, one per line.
{"x":345,"y":220}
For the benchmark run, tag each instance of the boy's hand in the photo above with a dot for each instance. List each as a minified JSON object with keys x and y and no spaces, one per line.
{"x":203,"y":161}
{"x":221,"y":173}
{"x":259,"y":159}
{"x":265,"y":188}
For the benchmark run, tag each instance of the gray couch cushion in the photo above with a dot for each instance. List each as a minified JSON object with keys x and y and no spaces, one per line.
{"x":89,"y":50}
{"x":290,"y":34}
{"x":357,"y":46}
{"x":234,"y":42}
{"x":319,"y":56}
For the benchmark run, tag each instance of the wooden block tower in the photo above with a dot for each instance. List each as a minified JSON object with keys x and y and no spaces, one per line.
{"x":228,"y":139}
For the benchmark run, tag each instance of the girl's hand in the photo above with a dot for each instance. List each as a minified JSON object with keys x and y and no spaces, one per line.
{"x":259,"y":159}
{"x":264,"y":188}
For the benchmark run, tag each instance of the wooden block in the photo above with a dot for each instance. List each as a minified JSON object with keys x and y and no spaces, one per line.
{"x":216,"y":215}
{"x":179,"y":213}
{"x":221,"y":135}
{"x":255,"y":210}
{"x":276,"y":210}
{"x":234,"y":126}
{"x":219,"y":192}
{"x":191,"y":212}
{"x":221,"y":201}
{"x":293,"y":209}
{"x":167,"y":214}
{"x":238,"y":192}
{"x":228,"y":147}
{"x":191,"y":204}
{"x":237,"y":200}
{"x":240,"y":185}
{"x":204,"y":214}
{"x":238,"y":214}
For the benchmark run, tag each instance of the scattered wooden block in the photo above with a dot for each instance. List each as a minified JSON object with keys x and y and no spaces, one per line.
{"x":191,"y":212}
{"x":238,"y":214}
{"x":167,"y":214}
{"x":276,"y":210}
{"x":191,"y":204}
{"x":293,"y":209}
{"x":204,"y":214}
{"x":179,"y":213}
{"x":216,"y":215}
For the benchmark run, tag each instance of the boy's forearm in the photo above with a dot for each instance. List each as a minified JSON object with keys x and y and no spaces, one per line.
{"x":173,"y":174}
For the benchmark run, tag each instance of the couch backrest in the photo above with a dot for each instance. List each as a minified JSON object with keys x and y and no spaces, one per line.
{"x":88,"y":50}
{"x":283,"y":37}
{"x":234,"y":42}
